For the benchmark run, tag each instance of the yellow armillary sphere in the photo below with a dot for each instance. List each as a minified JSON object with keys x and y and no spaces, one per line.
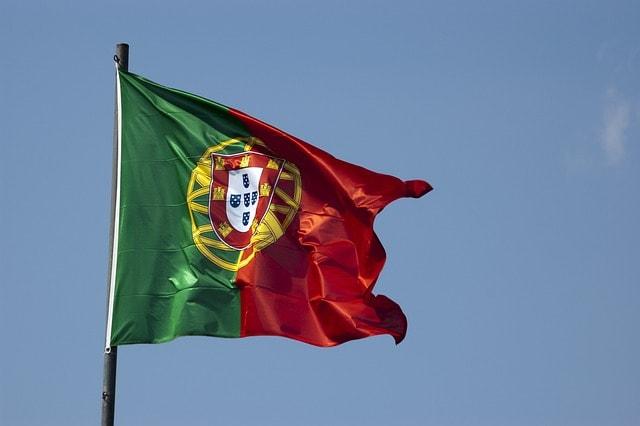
{"x":277,"y":200}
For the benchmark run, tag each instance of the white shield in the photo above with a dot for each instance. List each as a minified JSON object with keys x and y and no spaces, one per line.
{"x":242,"y":197}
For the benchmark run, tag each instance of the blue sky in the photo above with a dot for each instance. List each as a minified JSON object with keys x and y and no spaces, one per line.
{"x":519,"y":274}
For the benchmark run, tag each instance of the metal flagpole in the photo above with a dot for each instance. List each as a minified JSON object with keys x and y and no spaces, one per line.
{"x":111,"y":353}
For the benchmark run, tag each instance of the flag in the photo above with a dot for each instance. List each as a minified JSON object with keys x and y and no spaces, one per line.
{"x":226,"y":226}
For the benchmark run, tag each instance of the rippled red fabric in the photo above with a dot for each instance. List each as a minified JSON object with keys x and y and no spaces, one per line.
{"x":315,"y":283}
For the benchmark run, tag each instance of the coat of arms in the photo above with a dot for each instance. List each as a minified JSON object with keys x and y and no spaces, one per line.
{"x":241,"y":190}
{"x":242,"y":202}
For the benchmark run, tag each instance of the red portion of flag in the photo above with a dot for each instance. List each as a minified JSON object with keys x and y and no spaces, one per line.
{"x":315,"y":283}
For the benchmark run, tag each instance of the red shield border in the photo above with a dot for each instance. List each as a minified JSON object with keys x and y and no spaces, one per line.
{"x":220,"y":166}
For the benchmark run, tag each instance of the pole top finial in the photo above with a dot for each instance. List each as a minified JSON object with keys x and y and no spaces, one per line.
{"x":122,"y":56}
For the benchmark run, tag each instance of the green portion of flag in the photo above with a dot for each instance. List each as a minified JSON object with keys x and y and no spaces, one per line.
{"x":164,"y":286}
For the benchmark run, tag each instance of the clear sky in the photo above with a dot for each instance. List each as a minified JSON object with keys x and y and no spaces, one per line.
{"x":520,"y":273}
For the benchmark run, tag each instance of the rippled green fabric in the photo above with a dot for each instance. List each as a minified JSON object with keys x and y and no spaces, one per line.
{"x":164,"y":286}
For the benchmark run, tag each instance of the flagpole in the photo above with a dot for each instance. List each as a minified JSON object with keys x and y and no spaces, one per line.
{"x":111,"y":353}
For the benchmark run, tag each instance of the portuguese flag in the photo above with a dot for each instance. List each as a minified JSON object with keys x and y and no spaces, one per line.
{"x":226,"y":226}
